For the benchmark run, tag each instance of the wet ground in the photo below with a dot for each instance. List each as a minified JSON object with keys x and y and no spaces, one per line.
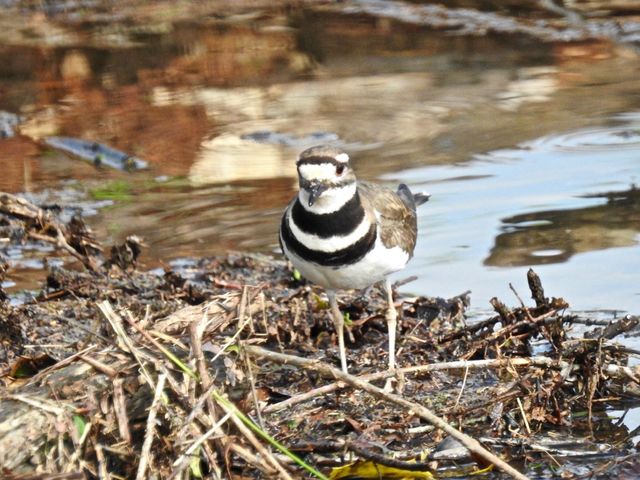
{"x":523,"y":124}
{"x":549,"y":391}
{"x":529,"y":145}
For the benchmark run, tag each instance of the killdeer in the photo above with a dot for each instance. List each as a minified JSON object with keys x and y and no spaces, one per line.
{"x":341,"y":233}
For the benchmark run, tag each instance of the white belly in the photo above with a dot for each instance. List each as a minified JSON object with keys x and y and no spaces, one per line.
{"x":372,"y":268}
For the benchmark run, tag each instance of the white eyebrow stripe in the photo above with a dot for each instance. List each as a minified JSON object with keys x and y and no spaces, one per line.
{"x":342,"y":157}
{"x":322,"y":171}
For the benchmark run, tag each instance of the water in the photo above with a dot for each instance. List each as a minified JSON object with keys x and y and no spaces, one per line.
{"x":565,"y":204}
{"x":530,"y":148}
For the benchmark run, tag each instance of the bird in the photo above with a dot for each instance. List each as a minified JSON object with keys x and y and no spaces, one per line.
{"x":342,"y":233}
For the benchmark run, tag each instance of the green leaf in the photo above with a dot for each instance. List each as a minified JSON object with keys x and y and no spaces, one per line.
{"x":80,"y":423}
{"x":194,"y":466}
{"x":296,"y":275}
{"x":320,"y":303}
{"x":228,"y":406}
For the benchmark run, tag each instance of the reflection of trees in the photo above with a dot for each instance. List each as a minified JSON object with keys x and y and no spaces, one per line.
{"x":563,"y":233}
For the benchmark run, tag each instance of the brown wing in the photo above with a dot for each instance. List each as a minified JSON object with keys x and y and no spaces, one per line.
{"x":397,"y":222}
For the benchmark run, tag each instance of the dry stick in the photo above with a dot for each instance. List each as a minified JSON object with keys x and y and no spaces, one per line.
{"x":197,"y":411}
{"x":39,"y":403}
{"x":472,"y":444}
{"x":79,"y":449}
{"x":62,"y":452}
{"x":183,"y":460}
{"x":252,"y":459}
{"x":103,"y":474}
{"x":61,"y":242}
{"x":150,"y":430}
{"x":464,"y":382}
{"x":59,"y":476}
{"x":127,"y":345}
{"x":262,"y":450}
{"x":522,"y":304}
{"x":361,"y":448}
{"x":537,"y":292}
{"x":611,"y":369}
{"x":99,"y":366}
{"x":196,"y":331}
{"x":120,"y":410}
{"x":62,"y":363}
{"x":254,"y":394}
{"x":524,"y":415}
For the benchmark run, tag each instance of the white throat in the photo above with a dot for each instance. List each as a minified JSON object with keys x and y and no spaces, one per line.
{"x":330,"y":201}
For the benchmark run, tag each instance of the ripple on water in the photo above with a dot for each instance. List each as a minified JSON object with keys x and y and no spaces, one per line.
{"x":597,"y":139}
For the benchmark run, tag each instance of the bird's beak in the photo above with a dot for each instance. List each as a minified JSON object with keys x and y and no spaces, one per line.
{"x":315,"y":189}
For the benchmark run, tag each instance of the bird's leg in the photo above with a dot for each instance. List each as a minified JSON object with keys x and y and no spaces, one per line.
{"x":392,"y":321}
{"x":338,"y":321}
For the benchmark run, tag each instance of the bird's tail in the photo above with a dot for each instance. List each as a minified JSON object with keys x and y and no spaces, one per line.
{"x":410,"y":199}
{"x":420,"y":198}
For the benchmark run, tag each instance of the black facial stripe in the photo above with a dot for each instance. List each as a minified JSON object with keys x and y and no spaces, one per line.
{"x":319,"y":161}
{"x":346,"y":256}
{"x":343,"y":182}
{"x":341,"y":222}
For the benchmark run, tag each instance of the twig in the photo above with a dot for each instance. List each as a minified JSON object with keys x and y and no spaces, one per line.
{"x":120,"y":410}
{"x":464,"y":382}
{"x":127,"y":345}
{"x":103,"y":473}
{"x":41,"y":404}
{"x":150,"y":430}
{"x":472,"y":444}
{"x":99,"y":366}
{"x":613,"y":370}
{"x":252,"y":459}
{"x":62,"y":363}
{"x":61,"y":242}
{"x":254,"y":394}
{"x":181,"y":462}
{"x":537,"y":292}
{"x":515,"y":292}
{"x":248,"y":434}
{"x":79,"y":448}
{"x":196,"y":330}
{"x":524,"y":415}
{"x":362,"y":449}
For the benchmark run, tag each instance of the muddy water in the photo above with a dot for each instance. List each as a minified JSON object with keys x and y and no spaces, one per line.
{"x":530,"y":148}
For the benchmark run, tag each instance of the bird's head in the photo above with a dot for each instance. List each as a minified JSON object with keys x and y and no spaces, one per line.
{"x":326,"y":178}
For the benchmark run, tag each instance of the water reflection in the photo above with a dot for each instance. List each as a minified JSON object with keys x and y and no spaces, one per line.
{"x":553,"y":236}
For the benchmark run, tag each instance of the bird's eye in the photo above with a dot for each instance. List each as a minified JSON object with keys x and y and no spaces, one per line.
{"x":339,"y":169}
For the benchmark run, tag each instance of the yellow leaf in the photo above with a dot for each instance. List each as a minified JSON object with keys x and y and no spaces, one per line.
{"x":370,"y":470}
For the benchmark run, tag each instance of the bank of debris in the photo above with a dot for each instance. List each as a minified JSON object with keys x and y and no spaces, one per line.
{"x":228,"y":370}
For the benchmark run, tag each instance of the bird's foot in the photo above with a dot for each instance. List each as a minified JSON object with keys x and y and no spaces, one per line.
{"x":352,"y":339}
{"x":395,"y":384}
{"x":389,"y":384}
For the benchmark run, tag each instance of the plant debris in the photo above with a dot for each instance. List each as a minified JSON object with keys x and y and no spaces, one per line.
{"x":229,"y":372}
